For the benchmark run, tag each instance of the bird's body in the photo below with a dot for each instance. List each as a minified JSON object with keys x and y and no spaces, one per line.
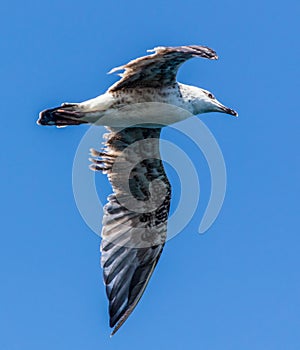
{"x":163,"y":106}
{"x":135,"y":109}
{"x":158,"y":106}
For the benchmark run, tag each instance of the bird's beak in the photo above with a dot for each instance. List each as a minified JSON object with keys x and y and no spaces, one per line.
{"x":223,"y":109}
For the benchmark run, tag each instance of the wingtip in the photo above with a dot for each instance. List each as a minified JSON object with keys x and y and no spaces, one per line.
{"x":113,"y":333}
{"x":156,"y":49}
{"x":124,"y":317}
{"x":119,"y":324}
{"x":116,"y":69}
{"x":116,"y":328}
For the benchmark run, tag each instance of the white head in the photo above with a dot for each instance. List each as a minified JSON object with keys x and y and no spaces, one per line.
{"x":204,"y":101}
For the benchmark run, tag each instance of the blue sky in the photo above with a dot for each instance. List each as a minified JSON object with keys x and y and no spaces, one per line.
{"x":235,"y":287}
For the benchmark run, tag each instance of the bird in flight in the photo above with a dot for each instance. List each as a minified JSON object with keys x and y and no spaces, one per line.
{"x":134,"y":110}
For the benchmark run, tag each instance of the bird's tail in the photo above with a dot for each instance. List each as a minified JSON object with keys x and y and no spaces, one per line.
{"x":66,"y":114}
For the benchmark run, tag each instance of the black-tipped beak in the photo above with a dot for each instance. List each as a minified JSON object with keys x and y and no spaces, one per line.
{"x":223,"y":109}
{"x":231,"y":111}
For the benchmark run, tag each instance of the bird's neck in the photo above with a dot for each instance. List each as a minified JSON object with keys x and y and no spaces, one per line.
{"x":193,"y":98}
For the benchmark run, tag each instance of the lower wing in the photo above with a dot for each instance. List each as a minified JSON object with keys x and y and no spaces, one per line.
{"x":135,"y":217}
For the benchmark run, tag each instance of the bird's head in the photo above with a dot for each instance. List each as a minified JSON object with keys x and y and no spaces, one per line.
{"x":205,"y":102}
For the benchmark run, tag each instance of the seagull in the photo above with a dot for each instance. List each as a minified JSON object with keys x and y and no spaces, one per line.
{"x":134,"y":110}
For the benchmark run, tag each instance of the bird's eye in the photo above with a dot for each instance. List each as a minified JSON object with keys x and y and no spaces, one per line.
{"x":211,"y":96}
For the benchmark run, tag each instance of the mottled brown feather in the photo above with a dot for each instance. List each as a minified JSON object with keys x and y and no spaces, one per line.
{"x":132,"y":241}
{"x":159,"y":69}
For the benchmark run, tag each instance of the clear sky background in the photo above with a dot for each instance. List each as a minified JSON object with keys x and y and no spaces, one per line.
{"x":235,"y":287}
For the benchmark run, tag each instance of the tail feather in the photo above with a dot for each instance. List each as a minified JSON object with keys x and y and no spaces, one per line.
{"x":67,"y":114}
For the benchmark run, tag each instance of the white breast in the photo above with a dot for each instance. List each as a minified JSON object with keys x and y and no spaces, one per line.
{"x":121,"y":110}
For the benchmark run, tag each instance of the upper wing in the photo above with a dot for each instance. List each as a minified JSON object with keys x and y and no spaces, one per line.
{"x":160,"y":68}
{"x":135,"y":218}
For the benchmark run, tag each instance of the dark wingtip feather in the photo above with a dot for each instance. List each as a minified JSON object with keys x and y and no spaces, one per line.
{"x":67,"y":114}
